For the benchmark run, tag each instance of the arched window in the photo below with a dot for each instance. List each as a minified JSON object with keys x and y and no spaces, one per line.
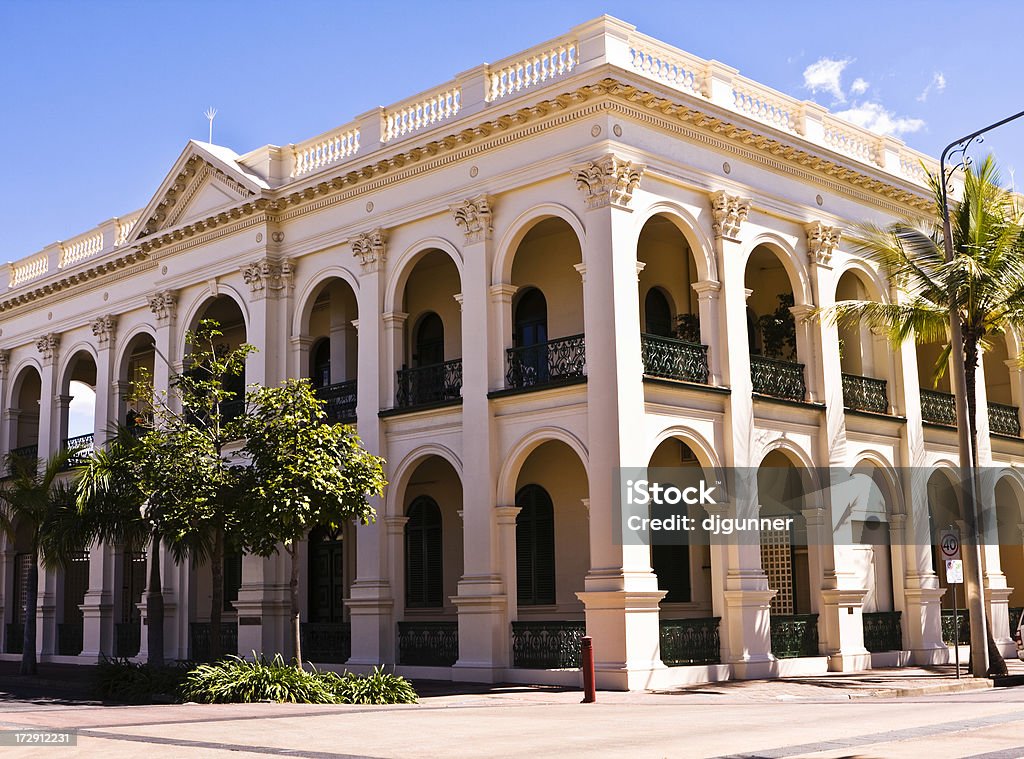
{"x":658,"y":314}
{"x":531,"y":318}
{"x":429,"y":342}
{"x":326,"y":575}
{"x":320,"y":363}
{"x":423,"y":587}
{"x":535,"y":547}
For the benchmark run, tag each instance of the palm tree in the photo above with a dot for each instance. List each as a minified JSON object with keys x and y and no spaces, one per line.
{"x":43,"y":503}
{"x":983,"y":284}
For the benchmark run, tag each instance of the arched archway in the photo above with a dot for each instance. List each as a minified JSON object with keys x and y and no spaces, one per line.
{"x":134,"y":381}
{"x":226,"y":312}
{"x":77,"y":408}
{"x":865,"y":357}
{"x":432,"y":550}
{"x":547,"y":311}
{"x":328,"y":353}
{"x":775,"y":369}
{"x":1000,"y":389}
{"x":24,"y":412}
{"x":431,"y":350}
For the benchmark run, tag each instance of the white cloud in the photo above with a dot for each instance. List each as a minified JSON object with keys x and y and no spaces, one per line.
{"x":937,"y":85}
{"x":859,"y":86}
{"x":825,"y":74}
{"x":875,"y":117}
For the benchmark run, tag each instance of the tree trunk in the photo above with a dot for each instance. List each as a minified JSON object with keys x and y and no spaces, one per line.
{"x":155,"y":606}
{"x":996,"y":663}
{"x":217,"y":595}
{"x":28,"y":650}
{"x":293,"y":595}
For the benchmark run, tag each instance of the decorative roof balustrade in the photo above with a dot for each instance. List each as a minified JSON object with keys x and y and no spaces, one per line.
{"x":532,"y":67}
{"x":323,"y":150}
{"x":421,"y":111}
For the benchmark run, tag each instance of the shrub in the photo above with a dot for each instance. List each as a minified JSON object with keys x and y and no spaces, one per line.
{"x":235,"y":680}
{"x":122,"y":680}
{"x":378,"y":687}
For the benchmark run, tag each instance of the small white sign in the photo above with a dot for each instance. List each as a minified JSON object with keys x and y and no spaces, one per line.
{"x":954,"y":572}
{"x":949,"y":544}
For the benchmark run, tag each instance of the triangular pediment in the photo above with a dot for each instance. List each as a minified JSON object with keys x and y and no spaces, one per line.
{"x":205,"y":179}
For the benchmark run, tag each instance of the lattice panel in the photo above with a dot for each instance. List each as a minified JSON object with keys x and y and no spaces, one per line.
{"x":777,"y":561}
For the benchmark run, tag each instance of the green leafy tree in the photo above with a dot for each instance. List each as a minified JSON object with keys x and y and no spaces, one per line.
{"x":41,"y":502}
{"x":983,"y":284}
{"x":301,"y":473}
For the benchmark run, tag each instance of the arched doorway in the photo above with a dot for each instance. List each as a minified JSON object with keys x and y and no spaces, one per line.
{"x":785,"y":558}
{"x":530,"y":322}
{"x":552,"y":558}
{"x":432,"y":550}
{"x":326,"y":633}
{"x":26,"y":394}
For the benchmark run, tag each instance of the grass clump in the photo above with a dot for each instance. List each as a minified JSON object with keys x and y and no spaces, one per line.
{"x":235,"y":680}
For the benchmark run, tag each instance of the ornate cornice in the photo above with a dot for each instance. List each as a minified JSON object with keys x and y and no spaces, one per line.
{"x":49,"y":347}
{"x":474,"y":216}
{"x":269,"y":277}
{"x":821,"y":242}
{"x":728,"y":213}
{"x":371,"y":249}
{"x":104,"y":328}
{"x":164,"y":305}
{"x":608,"y":180}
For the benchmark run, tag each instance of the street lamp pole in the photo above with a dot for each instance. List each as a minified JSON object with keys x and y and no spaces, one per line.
{"x":967,"y":446}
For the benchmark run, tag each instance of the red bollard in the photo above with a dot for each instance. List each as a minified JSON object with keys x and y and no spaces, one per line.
{"x":587,"y":663}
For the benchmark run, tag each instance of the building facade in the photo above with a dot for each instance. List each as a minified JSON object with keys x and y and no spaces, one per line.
{"x":514,"y":284}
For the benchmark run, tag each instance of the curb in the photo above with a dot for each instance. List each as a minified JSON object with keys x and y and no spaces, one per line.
{"x":965,"y":686}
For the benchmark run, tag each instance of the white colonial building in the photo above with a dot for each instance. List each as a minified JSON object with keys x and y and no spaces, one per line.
{"x":515,"y":283}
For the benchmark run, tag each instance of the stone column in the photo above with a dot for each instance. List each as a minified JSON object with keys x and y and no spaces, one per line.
{"x":708,"y":293}
{"x":5,"y":428}
{"x":501,"y":333}
{"x":621,"y":596}
{"x":481,"y":599}
{"x":263,"y":604}
{"x":371,"y":601}
{"x":50,"y":408}
{"x":739,"y":585}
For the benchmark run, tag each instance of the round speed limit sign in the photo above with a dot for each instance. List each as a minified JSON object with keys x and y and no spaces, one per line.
{"x":949,"y":544}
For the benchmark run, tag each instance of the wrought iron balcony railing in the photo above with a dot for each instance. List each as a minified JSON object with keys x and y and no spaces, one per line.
{"x":26,"y":451}
{"x":329,"y":642}
{"x":428,"y":644}
{"x":781,"y":379}
{"x":674,"y":359}
{"x":434,"y":383}
{"x":938,"y":407}
{"x":555,"y":362}
{"x":1003,"y":419}
{"x":690,"y":641}
{"x":865,"y":394}
{"x":199,"y":639}
{"x":340,"y":401}
{"x":547,"y":645}
{"x":81,"y":447}
{"x":794,"y":635}
{"x":882,"y":631}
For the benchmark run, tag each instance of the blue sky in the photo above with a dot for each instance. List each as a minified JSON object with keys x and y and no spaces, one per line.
{"x":100,"y":97}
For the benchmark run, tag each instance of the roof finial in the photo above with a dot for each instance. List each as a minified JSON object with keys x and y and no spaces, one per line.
{"x":210,"y":114}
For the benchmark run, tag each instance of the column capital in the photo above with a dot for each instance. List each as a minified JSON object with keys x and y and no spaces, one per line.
{"x":164,"y":305}
{"x":269,"y":277}
{"x":458,"y":299}
{"x":371,"y":249}
{"x":706,"y":289}
{"x":49,"y":347}
{"x":822,"y":240}
{"x":474,"y":216}
{"x":395,"y":525}
{"x":581,"y":269}
{"x":507,"y":514}
{"x":104,"y":329}
{"x":5,"y":359}
{"x":728,"y":213}
{"x":392,"y":318}
{"x":802,"y":311}
{"x":503,"y":292}
{"x":608,"y":180}
{"x":301,"y":341}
